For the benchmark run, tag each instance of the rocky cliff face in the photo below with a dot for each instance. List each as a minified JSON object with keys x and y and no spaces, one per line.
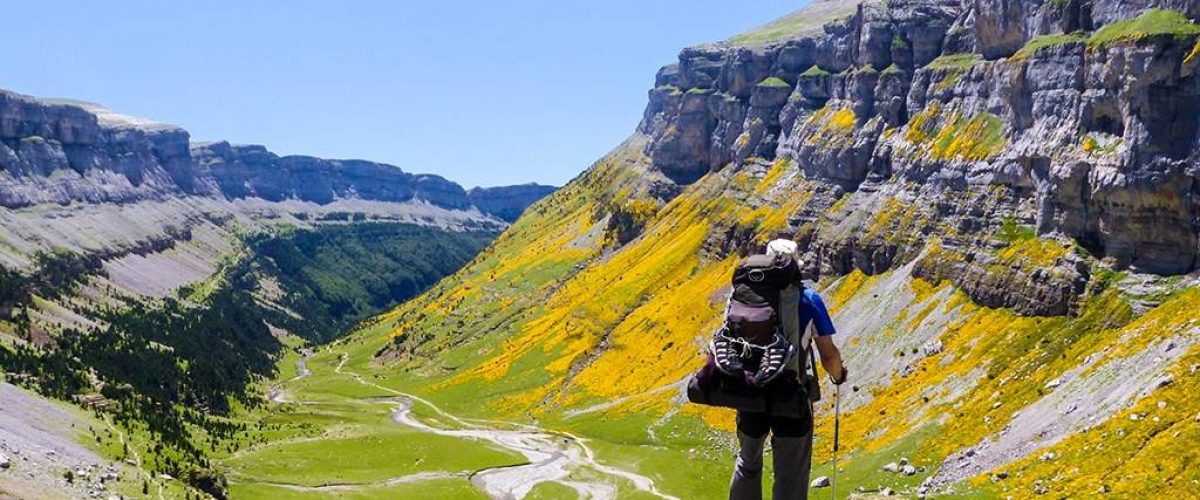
{"x":57,"y":152}
{"x":251,"y":171}
{"x":156,"y":208}
{"x":1075,"y":118}
{"x":65,"y":151}
{"x":508,"y":202}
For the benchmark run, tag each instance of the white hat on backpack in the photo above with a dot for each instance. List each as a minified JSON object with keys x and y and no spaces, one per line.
{"x":782,"y":247}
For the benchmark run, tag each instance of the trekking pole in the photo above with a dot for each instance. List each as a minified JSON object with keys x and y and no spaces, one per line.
{"x":837,"y":419}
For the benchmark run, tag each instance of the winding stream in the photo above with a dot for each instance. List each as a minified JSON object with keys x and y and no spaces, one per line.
{"x":550,"y":459}
{"x":276,"y":394}
{"x":553,"y":456}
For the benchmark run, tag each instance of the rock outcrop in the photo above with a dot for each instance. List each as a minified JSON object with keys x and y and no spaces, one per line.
{"x":1076,"y":119}
{"x":508,"y":202}
{"x":55,"y":152}
{"x":59,"y":152}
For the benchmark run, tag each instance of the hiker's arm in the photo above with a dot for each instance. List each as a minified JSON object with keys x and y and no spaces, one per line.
{"x":831,"y":358}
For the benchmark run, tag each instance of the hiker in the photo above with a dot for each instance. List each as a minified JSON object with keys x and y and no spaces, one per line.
{"x":791,"y":437}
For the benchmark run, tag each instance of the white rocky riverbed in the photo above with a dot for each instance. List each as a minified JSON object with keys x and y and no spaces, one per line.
{"x":552,"y":456}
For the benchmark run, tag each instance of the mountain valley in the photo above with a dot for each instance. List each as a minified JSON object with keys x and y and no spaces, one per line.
{"x":1000,"y":202}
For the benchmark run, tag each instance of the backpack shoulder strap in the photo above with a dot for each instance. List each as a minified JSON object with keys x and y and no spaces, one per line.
{"x":812,"y":385}
{"x":789,"y":321}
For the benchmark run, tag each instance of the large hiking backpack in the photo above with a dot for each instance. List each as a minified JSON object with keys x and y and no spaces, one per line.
{"x":750,"y":353}
{"x":753,"y":312}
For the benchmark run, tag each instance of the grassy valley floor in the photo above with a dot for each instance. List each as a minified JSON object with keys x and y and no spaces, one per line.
{"x":339,"y":427}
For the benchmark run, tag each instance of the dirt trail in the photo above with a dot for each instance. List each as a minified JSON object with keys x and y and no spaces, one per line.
{"x":137,"y":459}
{"x":680,"y":387}
{"x":351,"y":487}
{"x":550,"y":459}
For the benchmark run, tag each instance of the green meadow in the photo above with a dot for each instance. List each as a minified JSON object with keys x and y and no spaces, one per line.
{"x":334,"y":437}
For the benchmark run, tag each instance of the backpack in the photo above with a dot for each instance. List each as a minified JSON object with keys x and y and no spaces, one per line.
{"x":752,"y":343}
{"x":749,"y":364}
{"x":753,"y":310}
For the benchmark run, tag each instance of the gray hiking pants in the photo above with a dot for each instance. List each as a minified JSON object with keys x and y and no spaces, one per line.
{"x":791,"y":445}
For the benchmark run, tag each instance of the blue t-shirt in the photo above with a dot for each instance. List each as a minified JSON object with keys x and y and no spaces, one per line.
{"x":812,"y":310}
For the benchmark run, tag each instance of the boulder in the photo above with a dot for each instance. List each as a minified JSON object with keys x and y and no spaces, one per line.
{"x":932,"y":347}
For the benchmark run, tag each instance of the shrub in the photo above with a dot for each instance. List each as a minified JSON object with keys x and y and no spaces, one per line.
{"x":955,"y":62}
{"x":1153,"y":22}
{"x":978,"y":138}
{"x":814,"y":71}
{"x":1011,"y":231}
{"x":1038,"y":43}
{"x":832,"y":125}
{"x":975,"y":138}
{"x":774,"y":82}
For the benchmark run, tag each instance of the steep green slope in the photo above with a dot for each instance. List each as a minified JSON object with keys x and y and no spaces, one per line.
{"x":812,"y":18}
{"x":998,"y":200}
{"x":334,"y":276}
{"x":174,"y":369}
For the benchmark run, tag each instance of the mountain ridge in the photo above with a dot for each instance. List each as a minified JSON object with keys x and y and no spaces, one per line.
{"x":156,"y":281}
{"x":104,"y":156}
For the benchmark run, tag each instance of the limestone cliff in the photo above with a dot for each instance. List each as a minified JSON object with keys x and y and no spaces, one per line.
{"x":1075,"y":118}
{"x":60,"y":151}
{"x":507,"y":202}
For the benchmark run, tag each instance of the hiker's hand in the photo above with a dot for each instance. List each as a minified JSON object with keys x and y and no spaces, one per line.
{"x":842,"y":379}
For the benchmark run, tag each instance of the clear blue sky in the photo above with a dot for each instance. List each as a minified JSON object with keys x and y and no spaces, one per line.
{"x":481,"y":92}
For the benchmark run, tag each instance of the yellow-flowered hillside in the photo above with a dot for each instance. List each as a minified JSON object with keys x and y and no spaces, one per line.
{"x":592,"y":310}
